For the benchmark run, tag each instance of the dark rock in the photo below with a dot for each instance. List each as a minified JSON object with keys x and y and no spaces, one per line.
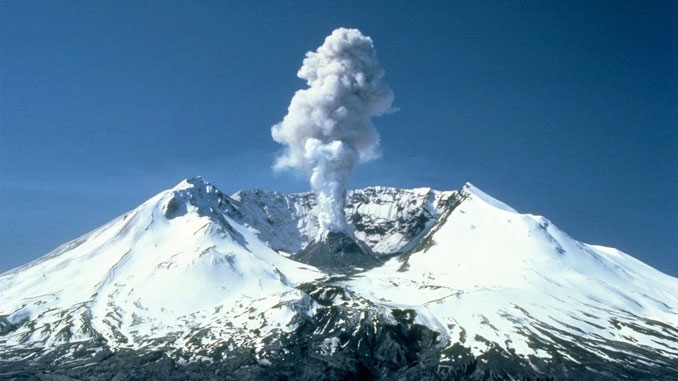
{"x":337,"y":252}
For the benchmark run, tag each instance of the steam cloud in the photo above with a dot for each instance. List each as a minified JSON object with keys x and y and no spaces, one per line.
{"x":327,"y":129}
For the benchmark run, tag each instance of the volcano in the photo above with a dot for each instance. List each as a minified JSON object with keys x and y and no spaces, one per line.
{"x":194,"y":283}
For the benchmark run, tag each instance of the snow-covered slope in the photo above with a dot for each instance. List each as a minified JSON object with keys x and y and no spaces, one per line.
{"x":489,"y":276}
{"x":461,"y":277}
{"x":177,"y":263}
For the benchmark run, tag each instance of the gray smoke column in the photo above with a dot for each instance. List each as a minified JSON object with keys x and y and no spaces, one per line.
{"x":327,"y":129}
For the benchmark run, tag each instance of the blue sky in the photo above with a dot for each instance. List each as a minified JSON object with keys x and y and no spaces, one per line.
{"x":564,"y":110}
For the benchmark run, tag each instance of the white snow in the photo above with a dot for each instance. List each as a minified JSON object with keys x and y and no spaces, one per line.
{"x":195,"y":261}
{"x":146,"y":275}
{"x":487,"y":264}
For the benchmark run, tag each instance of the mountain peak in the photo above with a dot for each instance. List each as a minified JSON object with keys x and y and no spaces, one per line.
{"x":195,"y":182}
{"x":195,"y":193}
{"x":471,"y":190}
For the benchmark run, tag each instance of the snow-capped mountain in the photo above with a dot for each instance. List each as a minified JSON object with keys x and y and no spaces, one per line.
{"x":174,"y":264}
{"x":196,"y":283}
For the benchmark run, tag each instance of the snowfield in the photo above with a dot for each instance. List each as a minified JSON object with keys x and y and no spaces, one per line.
{"x":498,"y":277}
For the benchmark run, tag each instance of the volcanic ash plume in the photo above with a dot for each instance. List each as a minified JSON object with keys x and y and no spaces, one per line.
{"x":327,"y":129}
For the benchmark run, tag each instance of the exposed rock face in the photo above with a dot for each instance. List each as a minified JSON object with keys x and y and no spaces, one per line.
{"x":337,"y":252}
{"x":388,"y":220}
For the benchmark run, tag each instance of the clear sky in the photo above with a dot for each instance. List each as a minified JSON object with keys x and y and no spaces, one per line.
{"x":564,"y":109}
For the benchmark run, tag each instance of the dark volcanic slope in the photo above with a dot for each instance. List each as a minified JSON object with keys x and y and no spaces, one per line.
{"x":337,"y":252}
{"x":347,"y":339}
